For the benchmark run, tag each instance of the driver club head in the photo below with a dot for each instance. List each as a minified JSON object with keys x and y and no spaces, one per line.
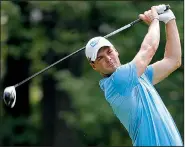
{"x":9,"y":96}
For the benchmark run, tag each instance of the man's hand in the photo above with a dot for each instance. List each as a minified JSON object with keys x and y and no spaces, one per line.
{"x":149,"y":15}
{"x":166,"y":16}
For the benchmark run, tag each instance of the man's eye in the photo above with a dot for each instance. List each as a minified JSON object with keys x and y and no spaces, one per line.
{"x":99,"y":58}
{"x":109,"y":51}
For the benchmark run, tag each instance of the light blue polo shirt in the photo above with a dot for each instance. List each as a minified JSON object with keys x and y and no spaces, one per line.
{"x":139,"y":107}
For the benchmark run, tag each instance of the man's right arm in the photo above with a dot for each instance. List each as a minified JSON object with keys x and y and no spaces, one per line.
{"x":150,"y":43}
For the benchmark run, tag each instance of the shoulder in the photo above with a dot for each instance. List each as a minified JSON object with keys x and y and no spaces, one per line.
{"x":110,"y":89}
{"x":125,"y":74}
{"x":106,"y":83}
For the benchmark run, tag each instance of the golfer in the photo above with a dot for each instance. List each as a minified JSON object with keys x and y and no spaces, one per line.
{"x":129,"y":88}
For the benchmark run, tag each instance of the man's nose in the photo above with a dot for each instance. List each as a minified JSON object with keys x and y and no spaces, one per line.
{"x":108,"y":58}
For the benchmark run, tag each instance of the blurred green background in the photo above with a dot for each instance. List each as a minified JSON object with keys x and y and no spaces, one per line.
{"x":65,"y":106}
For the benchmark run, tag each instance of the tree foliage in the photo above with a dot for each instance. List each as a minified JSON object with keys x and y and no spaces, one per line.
{"x":45,"y":31}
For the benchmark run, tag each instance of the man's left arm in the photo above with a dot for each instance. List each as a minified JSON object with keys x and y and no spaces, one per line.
{"x":172,"y":55}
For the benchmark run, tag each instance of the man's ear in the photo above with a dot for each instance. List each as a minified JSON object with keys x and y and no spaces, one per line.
{"x":93,"y":65}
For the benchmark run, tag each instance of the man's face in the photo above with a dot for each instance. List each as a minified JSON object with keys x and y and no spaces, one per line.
{"x":107,"y":61}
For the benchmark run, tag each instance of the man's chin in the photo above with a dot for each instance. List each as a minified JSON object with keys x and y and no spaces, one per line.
{"x":113,"y":68}
{"x":111,"y":71}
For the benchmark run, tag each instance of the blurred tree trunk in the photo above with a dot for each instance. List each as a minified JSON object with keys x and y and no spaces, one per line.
{"x":14,"y":76}
{"x":95,"y":18}
{"x":22,"y":107}
{"x":48,"y":110}
{"x":55,"y":130}
{"x":64,"y":136}
{"x":18,"y":70}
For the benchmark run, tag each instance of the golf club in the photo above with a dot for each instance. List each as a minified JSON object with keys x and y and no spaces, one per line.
{"x":9,"y":95}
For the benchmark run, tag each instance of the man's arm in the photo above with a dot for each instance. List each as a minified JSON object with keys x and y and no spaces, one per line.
{"x":150,"y":42}
{"x":172,"y":55}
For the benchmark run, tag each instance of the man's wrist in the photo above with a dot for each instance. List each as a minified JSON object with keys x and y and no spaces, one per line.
{"x":155,"y":19}
{"x":171,"y":20}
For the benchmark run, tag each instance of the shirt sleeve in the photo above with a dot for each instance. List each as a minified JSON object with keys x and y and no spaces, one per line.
{"x":125,"y":78}
{"x":149,"y":73}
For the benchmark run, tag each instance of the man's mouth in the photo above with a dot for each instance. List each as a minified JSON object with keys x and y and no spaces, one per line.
{"x":111,"y":64}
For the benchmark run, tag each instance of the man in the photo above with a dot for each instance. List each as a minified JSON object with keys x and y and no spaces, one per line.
{"x":129,"y":88}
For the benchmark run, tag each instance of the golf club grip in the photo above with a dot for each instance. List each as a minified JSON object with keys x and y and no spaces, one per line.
{"x":139,"y":20}
{"x":167,"y":7}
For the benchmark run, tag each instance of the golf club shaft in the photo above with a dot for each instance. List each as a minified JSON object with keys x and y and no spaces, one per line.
{"x":106,"y":36}
{"x":123,"y":28}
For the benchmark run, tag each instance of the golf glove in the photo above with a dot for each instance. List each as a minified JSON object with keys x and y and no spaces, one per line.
{"x":165,"y":16}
